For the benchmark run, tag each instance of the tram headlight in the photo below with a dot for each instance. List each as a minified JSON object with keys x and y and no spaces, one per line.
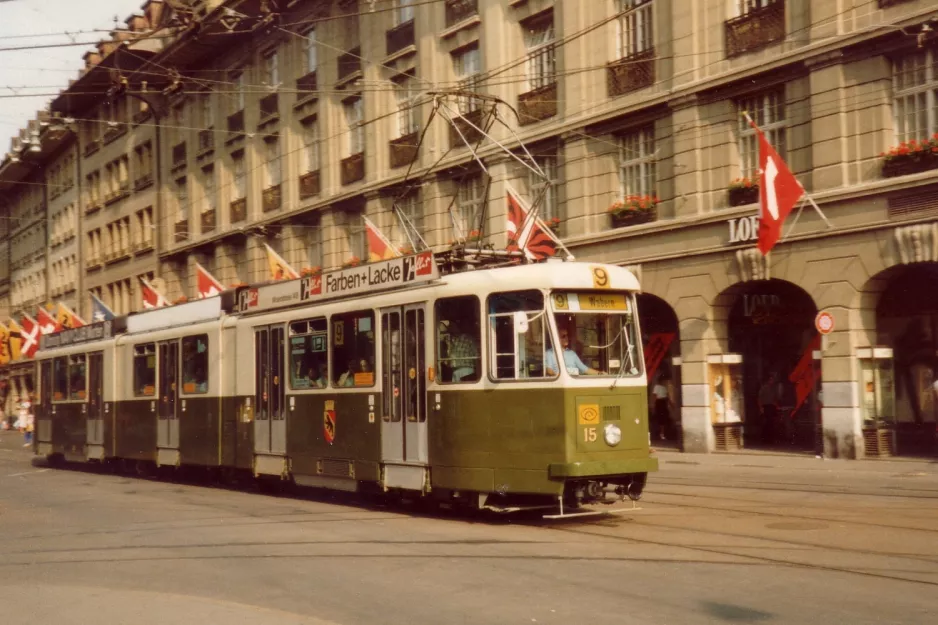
{"x":612,"y":433}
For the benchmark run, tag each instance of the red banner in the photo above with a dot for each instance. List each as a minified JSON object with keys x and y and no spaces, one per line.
{"x":655,"y":350}
{"x":805,"y":376}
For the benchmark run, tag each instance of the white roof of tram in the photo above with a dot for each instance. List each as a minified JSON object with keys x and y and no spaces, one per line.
{"x":551,"y":274}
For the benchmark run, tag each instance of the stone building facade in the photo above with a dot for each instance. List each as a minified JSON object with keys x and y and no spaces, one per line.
{"x":204,"y":130}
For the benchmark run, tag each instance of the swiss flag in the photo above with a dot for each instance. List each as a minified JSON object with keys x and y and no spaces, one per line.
{"x":379,"y":248}
{"x":30,"y":336}
{"x":531,"y":235}
{"x":206,"y":283}
{"x":151,"y":297}
{"x":47,"y":323}
{"x":779,"y":192}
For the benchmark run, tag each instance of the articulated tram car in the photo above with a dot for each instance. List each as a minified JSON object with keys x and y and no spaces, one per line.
{"x":500,"y":388}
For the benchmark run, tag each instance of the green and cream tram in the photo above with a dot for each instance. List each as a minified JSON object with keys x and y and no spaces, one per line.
{"x":500,"y":388}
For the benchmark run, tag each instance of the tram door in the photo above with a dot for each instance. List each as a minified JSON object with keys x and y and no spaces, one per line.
{"x":167,"y":433}
{"x":270,"y":418}
{"x":404,"y":387}
{"x":95,"y":417}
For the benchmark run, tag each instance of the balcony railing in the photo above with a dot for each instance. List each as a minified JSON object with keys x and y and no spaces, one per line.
{"x":141,"y":116}
{"x":309,"y":184}
{"x":179,"y":154}
{"x":459,"y":10}
{"x":271,"y":198}
{"x":633,"y":72}
{"x":352,"y":168}
{"x":756,"y":29}
{"x":206,"y":139}
{"x":181,"y":230}
{"x":113,"y":132}
{"x":143,"y":181}
{"x":270,"y":107}
{"x":463,"y":124}
{"x":403,"y":151}
{"x":236,"y":125}
{"x":207,"y":221}
{"x":399,"y":37}
{"x":349,"y":63}
{"x":238,"y":210}
{"x":537,"y":105}
{"x":882,"y":4}
{"x":91,"y":147}
{"x":306,"y":86}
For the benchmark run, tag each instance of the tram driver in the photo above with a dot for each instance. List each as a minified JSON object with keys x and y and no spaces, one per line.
{"x":571,"y":360}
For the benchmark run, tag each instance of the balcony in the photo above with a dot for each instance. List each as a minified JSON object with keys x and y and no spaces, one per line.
{"x":463,"y":124}
{"x":352,"y":169}
{"x":399,"y":37}
{"x":206,"y":140}
{"x":306,"y":86}
{"x":403,"y":150}
{"x":181,"y":231}
{"x":631,"y":73}
{"x":883,"y":4}
{"x":756,"y":29}
{"x":538,"y":104}
{"x":459,"y":10}
{"x":143,"y":181}
{"x":236,"y":125}
{"x":141,"y":116}
{"x":113,"y":132}
{"x":179,"y":154}
{"x":350,"y":63}
{"x":270,"y":107}
{"x":207,"y":221}
{"x":309,"y":184}
{"x":238,"y":210}
{"x":271,"y":198}
{"x":91,"y":147}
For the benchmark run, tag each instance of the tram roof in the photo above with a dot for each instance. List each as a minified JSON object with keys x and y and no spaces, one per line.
{"x":551,"y":274}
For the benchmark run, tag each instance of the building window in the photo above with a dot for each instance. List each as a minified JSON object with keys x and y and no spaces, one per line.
{"x":272,"y":161}
{"x":745,"y":7}
{"x":635,"y":29}
{"x":637,"y":175}
{"x":915,"y":82}
{"x":208,"y":189}
{"x":467,"y":65}
{"x":206,"y":113}
{"x":311,"y":50}
{"x":238,"y":80}
{"x":768,"y":112}
{"x":405,"y":91}
{"x":357,"y":245}
{"x":539,"y":42}
{"x":404,"y":12}
{"x":182,"y":200}
{"x":408,"y":229}
{"x":469,"y":200}
{"x":238,"y":178}
{"x":538,"y":187}
{"x":356,"y":132}
{"x":310,"y":145}
{"x":314,"y":245}
{"x":271,"y":69}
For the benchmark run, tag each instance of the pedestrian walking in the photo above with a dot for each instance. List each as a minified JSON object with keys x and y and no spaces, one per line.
{"x":768,"y":405}
{"x":662,"y":412}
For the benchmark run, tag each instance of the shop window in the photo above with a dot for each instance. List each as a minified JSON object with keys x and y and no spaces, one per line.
{"x":195,"y":364}
{"x":458,"y":339}
{"x":518,"y":337}
{"x":353,"y":349}
{"x":145,"y":370}
{"x":309,"y":358}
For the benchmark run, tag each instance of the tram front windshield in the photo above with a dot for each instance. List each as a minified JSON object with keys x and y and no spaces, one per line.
{"x":596,"y":334}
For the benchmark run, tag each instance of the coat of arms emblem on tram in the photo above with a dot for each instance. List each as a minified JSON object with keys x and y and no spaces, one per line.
{"x":328,"y":423}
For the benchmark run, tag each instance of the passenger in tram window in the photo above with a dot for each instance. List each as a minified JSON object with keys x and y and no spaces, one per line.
{"x":463,"y":352}
{"x":348,"y":378}
{"x":315,"y":377}
{"x":571,"y":359}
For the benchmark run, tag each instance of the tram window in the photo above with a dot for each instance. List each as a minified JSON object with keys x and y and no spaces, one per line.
{"x":458,"y":339}
{"x":145,"y":370}
{"x":353,"y":349}
{"x":518,"y":335}
{"x":599,"y":333}
{"x":60,"y":379}
{"x":309,"y":358}
{"x":195,"y":364}
{"x":77,"y":380}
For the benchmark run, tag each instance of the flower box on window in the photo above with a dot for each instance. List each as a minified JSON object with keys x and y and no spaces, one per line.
{"x":354,"y":261}
{"x":743,"y":191}
{"x":911,"y":157}
{"x":634,"y":209}
{"x":553,"y":223}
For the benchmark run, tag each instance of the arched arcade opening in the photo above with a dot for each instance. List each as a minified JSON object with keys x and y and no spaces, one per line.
{"x":662,"y":350}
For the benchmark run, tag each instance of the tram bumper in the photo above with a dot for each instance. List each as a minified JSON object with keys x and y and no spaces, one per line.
{"x":606,"y":469}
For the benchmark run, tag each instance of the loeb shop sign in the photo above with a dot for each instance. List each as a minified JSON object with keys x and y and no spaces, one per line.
{"x":744,"y":229}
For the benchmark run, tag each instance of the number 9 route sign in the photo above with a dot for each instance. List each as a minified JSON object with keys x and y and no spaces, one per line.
{"x":824,"y":322}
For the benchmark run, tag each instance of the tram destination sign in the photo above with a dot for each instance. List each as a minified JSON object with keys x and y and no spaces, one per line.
{"x":387,"y":274}
{"x":72,"y":336}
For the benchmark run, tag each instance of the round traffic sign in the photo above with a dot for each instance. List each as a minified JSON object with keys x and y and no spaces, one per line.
{"x":824,"y":322}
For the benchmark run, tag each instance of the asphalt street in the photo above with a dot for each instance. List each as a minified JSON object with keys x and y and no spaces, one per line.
{"x":716,"y":539}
